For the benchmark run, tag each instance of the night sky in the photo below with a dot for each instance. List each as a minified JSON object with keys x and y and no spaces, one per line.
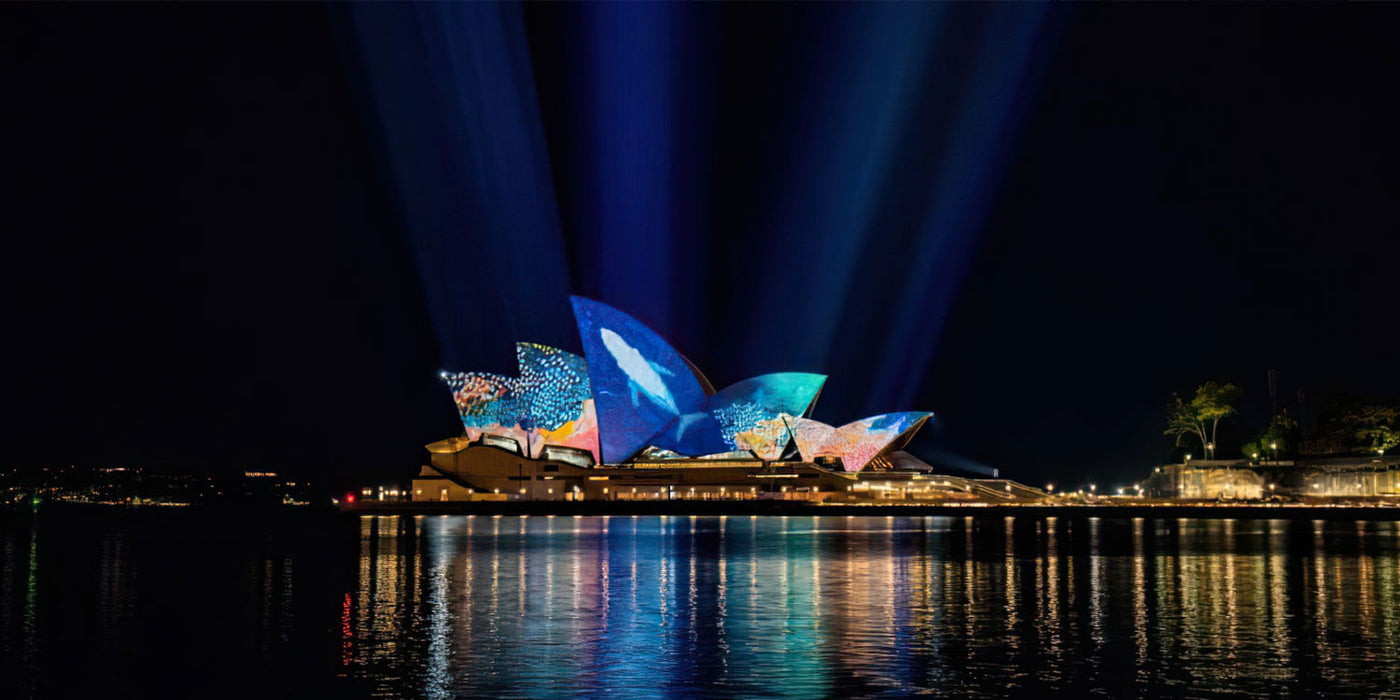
{"x":248,"y":236}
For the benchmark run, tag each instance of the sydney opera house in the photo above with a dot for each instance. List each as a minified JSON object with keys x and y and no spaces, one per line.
{"x":633,"y":419}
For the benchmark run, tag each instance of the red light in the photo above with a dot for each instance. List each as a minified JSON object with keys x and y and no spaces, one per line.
{"x":349,"y":498}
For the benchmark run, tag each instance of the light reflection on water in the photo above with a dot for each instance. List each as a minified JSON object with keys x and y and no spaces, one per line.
{"x":321,"y":605}
{"x":449,"y":606}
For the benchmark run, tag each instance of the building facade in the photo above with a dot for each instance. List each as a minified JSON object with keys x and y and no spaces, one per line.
{"x":633,"y":419}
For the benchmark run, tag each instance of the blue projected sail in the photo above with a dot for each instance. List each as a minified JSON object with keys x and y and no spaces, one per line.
{"x":640,"y":383}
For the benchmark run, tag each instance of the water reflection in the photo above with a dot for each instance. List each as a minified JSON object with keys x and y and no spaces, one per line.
{"x":827,"y":606}
{"x":97,"y":603}
{"x":477,"y":606}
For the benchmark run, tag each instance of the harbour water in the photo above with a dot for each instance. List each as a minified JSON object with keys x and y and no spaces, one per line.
{"x":453,"y":606}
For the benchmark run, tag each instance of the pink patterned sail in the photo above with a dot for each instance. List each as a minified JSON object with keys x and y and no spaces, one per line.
{"x":854,"y":443}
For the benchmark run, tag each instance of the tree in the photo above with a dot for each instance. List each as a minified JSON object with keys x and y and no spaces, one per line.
{"x":1250,"y":450}
{"x":1213,"y":402}
{"x":1350,"y":424}
{"x":1377,"y":427}
{"x":1182,"y":422}
{"x":1277,"y":439}
{"x":1282,"y":432}
{"x":1201,"y":417}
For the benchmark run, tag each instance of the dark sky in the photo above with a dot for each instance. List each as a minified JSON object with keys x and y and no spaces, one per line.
{"x":206,"y":263}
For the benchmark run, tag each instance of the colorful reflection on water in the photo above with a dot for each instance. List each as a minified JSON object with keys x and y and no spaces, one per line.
{"x":818,"y":607}
{"x":331,"y":605}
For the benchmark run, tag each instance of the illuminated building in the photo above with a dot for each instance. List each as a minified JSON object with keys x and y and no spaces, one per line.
{"x":634,"y":419}
{"x":1341,"y":478}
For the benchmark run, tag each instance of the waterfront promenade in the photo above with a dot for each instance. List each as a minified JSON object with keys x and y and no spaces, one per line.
{"x":1148,"y":509}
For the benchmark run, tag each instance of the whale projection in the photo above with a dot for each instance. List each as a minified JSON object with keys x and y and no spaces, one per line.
{"x":640,"y":383}
{"x":642,"y":375}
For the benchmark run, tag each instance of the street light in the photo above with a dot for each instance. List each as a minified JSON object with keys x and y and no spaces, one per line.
{"x":1210,"y":450}
{"x":1274,"y":446}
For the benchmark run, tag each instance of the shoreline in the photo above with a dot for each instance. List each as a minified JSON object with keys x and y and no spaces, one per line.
{"x":1352,"y":513}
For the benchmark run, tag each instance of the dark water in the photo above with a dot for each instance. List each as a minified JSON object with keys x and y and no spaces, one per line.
{"x":196,"y":605}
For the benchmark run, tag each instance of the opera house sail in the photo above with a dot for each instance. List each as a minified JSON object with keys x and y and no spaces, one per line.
{"x":633,"y":418}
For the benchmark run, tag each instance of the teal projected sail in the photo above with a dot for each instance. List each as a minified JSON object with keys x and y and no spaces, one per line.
{"x":745,"y":416}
